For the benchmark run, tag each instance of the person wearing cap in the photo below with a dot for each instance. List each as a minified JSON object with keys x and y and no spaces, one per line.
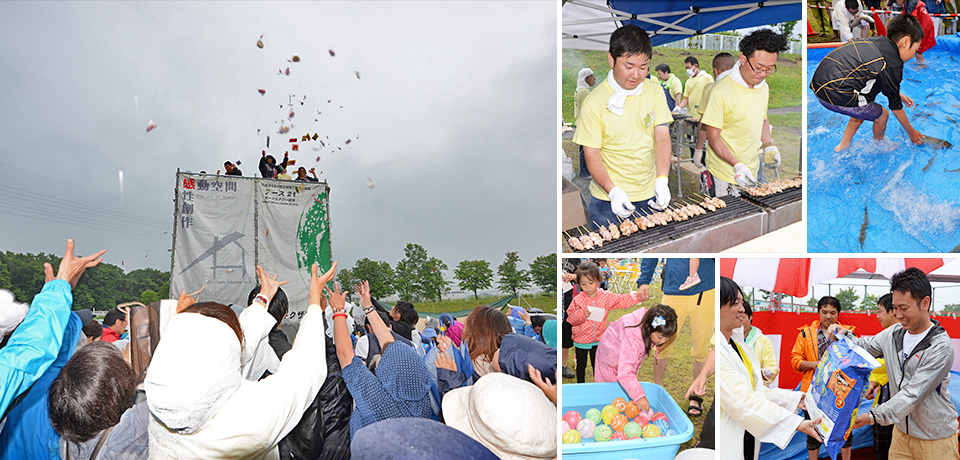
{"x":399,"y":384}
{"x":624,"y":130}
{"x":509,"y":416}
{"x":585,"y":81}
{"x":736,"y":118}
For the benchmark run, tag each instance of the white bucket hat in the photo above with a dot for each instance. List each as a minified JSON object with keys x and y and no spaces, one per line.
{"x":509,"y":416}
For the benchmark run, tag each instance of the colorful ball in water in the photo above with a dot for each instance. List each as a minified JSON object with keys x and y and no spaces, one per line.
{"x":617,"y":422}
{"x":633,"y":430}
{"x":594,"y":414}
{"x":603,"y":433}
{"x":641,"y":421}
{"x":618,"y":436}
{"x":572,"y":418}
{"x":631,"y":410}
{"x":607,"y":413}
{"x":661,"y":424}
{"x":586,"y":427}
{"x":658,"y":416}
{"x":620,"y":404}
{"x":651,"y":431}
{"x":564,"y":427}
{"x":571,"y":437}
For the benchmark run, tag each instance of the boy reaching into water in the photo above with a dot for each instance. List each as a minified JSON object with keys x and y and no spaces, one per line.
{"x":849,"y":78}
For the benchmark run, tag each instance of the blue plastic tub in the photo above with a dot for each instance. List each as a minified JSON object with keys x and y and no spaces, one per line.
{"x":583,"y":396}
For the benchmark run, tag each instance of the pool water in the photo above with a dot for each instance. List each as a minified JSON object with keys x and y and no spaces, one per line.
{"x":908,"y":209}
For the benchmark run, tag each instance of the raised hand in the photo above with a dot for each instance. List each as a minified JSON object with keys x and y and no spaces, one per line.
{"x":268,"y":284}
{"x":72,"y":267}
{"x":363,"y":290}
{"x":338,"y":299}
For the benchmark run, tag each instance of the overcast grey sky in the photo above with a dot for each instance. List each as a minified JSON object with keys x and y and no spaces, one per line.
{"x":454,"y":117}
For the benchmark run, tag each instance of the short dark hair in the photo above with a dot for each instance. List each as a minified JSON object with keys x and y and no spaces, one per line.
{"x":92,"y":330}
{"x":279,"y":305}
{"x":227,"y":163}
{"x":747,"y":310}
{"x":385,"y":317}
{"x":724,"y":61}
{"x":886,"y":301}
{"x":91,"y":392}
{"x":113,"y":316}
{"x":270,"y":159}
{"x":537,"y":321}
{"x":913,"y":281}
{"x":904,"y":25}
{"x":588,"y":269}
{"x":728,"y":291}
{"x":667,"y":329}
{"x":663,"y":68}
{"x":763,"y":39}
{"x":629,"y":40}
{"x":691,"y":60}
{"x":852,"y":4}
{"x":828,"y":300}
{"x":408,"y":313}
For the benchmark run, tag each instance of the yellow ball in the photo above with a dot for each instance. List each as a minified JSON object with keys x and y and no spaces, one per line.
{"x":607,"y":413}
{"x":571,"y":437}
{"x":651,"y":431}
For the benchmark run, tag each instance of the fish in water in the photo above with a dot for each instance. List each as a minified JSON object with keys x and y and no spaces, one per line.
{"x":863,"y":227}
{"x":956,"y":249}
{"x":954,"y":121}
{"x":915,"y":81}
{"x":951,"y":170}
{"x":925,"y":168}
{"x":936,"y":143}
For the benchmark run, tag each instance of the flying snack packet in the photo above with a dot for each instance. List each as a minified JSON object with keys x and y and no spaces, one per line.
{"x":834,"y":395}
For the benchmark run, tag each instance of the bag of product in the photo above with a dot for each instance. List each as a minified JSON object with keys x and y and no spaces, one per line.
{"x":836,"y":389}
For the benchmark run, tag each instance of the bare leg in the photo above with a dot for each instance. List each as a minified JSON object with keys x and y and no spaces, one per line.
{"x":845,"y":452}
{"x":566,"y":356}
{"x":812,"y":454}
{"x":659,"y":370}
{"x":880,"y":125}
{"x":852,"y":126}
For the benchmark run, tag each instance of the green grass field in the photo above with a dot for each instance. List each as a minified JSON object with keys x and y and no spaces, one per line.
{"x":546,"y":302}
{"x":786,"y":86}
{"x":679,"y":373}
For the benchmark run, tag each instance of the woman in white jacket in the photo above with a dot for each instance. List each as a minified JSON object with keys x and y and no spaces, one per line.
{"x":202,"y":406}
{"x":749,"y":413}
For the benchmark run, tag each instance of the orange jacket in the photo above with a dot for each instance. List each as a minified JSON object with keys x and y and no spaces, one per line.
{"x":805,"y":349}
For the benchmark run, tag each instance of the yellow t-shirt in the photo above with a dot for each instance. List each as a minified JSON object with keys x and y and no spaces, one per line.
{"x":579,"y":97}
{"x":739,"y":113}
{"x":626,"y":142}
{"x":879,"y":375}
{"x":673,"y":84}
{"x":706,"y":97}
{"x":694,"y":92}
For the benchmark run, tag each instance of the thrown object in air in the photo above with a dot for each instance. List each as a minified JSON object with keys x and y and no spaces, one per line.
{"x":358,"y":74}
{"x":260,"y":42}
{"x":347,"y":141}
{"x":295,"y":58}
{"x":287,"y":71}
{"x":291,"y":115}
{"x":151,"y":125}
{"x":332,"y":53}
{"x":262,"y":91}
{"x":370,"y":183}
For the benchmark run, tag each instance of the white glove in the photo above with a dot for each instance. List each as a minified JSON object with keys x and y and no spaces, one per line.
{"x":743,"y":175}
{"x":767,"y":374}
{"x":698,"y":158}
{"x":619,"y":203}
{"x":771,"y":155}
{"x":676,"y":110}
{"x":661,"y":193}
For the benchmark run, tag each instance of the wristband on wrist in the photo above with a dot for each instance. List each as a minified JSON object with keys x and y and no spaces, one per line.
{"x":369,"y":309}
{"x":339,"y":314}
{"x":262,"y":299}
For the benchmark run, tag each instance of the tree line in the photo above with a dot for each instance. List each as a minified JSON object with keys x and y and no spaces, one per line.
{"x":419,"y":277}
{"x":101,"y":288}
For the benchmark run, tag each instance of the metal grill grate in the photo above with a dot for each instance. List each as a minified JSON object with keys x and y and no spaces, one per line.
{"x":736,"y":207}
{"x":777,"y":200}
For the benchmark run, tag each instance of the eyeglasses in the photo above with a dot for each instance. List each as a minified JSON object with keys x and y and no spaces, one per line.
{"x":762,"y":70}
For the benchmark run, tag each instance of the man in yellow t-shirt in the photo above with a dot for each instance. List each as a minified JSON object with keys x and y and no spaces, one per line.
{"x":693,"y":92}
{"x":722,"y":63}
{"x":736,"y":118}
{"x":882,"y":435}
{"x":670,"y":81}
{"x":624,"y":131}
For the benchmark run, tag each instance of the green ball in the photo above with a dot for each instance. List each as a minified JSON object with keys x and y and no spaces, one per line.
{"x":633,"y":430}
{"x":594,"y":414}
{"x":603,"y":433}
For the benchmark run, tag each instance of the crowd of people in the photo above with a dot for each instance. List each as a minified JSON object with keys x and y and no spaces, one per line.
{"x":725,"y":118}
{"x":220,"y":384}
{"x":269,"y":168}
{"x":617,"y":349}
{"x":912,"y":415}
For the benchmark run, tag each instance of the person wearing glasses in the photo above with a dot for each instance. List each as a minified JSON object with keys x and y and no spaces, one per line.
{"x":736,"y":118}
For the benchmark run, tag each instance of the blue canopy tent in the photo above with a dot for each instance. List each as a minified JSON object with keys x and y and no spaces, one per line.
{"x":587,"y":24}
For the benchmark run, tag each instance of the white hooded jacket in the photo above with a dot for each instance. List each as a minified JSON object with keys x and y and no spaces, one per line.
{"x":769,"y":414}
{"x":201,"y":406}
